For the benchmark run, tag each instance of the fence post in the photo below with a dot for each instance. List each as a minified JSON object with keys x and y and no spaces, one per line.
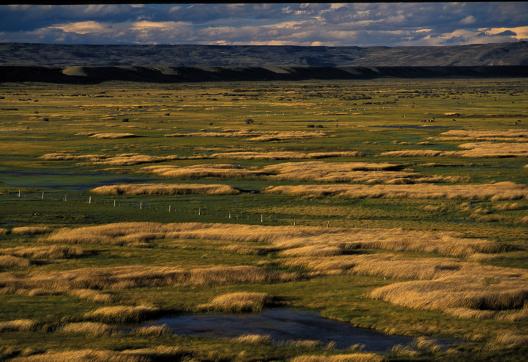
{"x":261,"y":218}
{"x":199,"y":211}
{"x":114,"y":203}
{"x":42,"y":196}
{"x":141,"y":205}
{"x":170,"y":208}
{"x":65,"y":198}
{"x":229,"y":215}
{"x":19,"y":195}
{"x":89,"y":200}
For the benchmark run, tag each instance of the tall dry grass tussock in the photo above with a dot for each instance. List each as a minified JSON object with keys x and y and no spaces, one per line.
{"x":475,"y":150}
{"x":462,"y":289}
{"x":18,"y":325}
{"x":122,"y":313}
{"x":30,"y":230}
{"x":495,"y":191}
{"x":337,"y":242}
{"x":518,"y":135}
{"x":349,"y":357}
{"x":283,"y":155}
{"x":92,"y":295}
{"x":45,"y":252}
{"x":262,"y":136}
{"x":203,"y":170}
{"x":253,"y":339}
{"x":113,"y":135}
{"x":492,"y":149}
{"x":89,"y":328}
{"x":309,"y":240}
{"x":165,"y":189}
{"x":9,"y":261}
{"x":509,"y":339}
{"x":157,"y":353}
{"x":135,"y":276}
{"x":237,"y":302}
{"x":152,"y":331}
{"x":308,"y":170}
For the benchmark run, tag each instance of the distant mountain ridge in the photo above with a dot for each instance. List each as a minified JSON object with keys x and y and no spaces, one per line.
{"x":247,"y":56}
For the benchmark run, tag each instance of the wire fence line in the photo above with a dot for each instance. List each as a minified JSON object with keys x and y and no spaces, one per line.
{"x":160,"y":206}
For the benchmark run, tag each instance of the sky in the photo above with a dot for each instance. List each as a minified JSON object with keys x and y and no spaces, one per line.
{"x":323,"y":24}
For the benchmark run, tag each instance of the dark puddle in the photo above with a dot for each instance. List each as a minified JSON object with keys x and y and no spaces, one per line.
{"x":281,"y":324}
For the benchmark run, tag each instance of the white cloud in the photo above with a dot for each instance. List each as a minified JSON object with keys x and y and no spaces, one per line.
{"x":81,"y":27}
{"x":468,"y":20}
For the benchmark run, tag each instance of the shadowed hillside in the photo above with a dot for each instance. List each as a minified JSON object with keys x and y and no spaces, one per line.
{"x":261,"y":56}
{"x":196,"y":63}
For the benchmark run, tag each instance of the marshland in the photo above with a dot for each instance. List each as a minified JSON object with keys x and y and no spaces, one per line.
{"x":396,"y":208}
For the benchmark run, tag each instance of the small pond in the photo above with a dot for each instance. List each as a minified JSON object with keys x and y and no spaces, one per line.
{"x":281,"y":324}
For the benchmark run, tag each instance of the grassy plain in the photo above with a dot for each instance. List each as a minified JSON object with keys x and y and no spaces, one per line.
{"x":445,"y":265}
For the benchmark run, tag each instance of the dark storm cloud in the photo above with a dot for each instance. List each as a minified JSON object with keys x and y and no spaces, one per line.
{"x":297,"y":24}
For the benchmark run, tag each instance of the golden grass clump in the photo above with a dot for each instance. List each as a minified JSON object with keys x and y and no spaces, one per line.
{"x":509,"y":339}
{"x":45,"y":252}
{"x":509,"y":206}
{"x":307,"y":170}
{"x":83,"y":355}
{"x":125,"y":233}
{"x":420,"y":153}
{"x":92,"y":295}
{"x":336,"y":242}
{"x":123,"y":159}
{"x":262,"y":136}
{"x":404,"y":351}
{"x":157,"y":353}
{"x":165,"y":189}
{"x":310,"y":240}
{"x":304,"y":343}
{"x":18,"y":325}
{"x":30,"y":230}
{"x":523,"y":220}
{"x":88,"y":328}
{"x":473,"y":291}
{"x":427,"y":344}
{"x":287,"y":135}
{"x":203,"y":170}
{"x":517,"y":135}
{"x":283,"y":155}
{"x":136,"y":276}
{"x":113,"y":135}
{"x":122,"y":313}
{"x":253,"y":339}
{"x":475,"y":150}
{"x":492,"y":149}
{"x":237,"y":302}
{"x":495,"y":191}
{"x":349,"y":357}
{"x":9,"y":261}
{"x":128,"y":159}
{"x":66,"y":156}
{"x":152,"y":331}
